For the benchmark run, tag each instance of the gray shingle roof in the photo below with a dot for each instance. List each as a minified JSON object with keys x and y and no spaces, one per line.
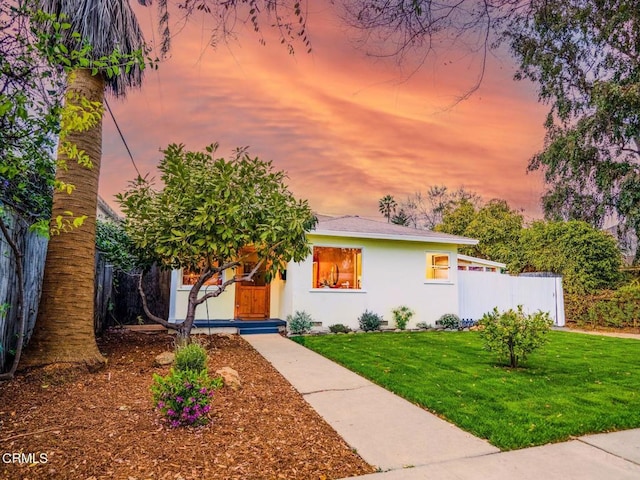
{"x":358,"y":227}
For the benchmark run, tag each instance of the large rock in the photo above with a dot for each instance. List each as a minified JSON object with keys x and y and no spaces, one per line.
{"x":230,"y":377}
{"x":165,"y":358}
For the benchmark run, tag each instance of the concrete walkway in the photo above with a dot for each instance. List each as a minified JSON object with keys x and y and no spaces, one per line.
{"x":408,"y":443}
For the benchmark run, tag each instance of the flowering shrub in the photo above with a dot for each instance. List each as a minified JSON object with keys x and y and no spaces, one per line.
{"x":184,"y":397}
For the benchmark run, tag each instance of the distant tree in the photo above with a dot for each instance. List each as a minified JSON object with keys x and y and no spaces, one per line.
{"x":569,"y":201}
{"x":425,"y":211}
{"x":387,"y":206}
{"x":586,"y":257}
{"x":208,"y":213}
{"x":401,"y":218}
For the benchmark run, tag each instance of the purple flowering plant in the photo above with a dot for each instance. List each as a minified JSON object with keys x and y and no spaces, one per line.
{"x":184,"y":398}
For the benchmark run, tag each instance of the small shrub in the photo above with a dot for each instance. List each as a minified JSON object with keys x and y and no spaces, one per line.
{"x":299,"y":322}
{"x":402,"y":315}
{"x":449,"y":320}
{"x":191,"y":357}
{"x":183,"y":397}
{"x":339,"y":328}
{"x":512,"y":334}
{"x":423,"y":325}
{"x":369,"y":321}
{"x":619,"y":308}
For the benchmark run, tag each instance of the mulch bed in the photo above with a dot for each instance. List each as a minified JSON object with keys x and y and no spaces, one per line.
{"x":102,"y":425}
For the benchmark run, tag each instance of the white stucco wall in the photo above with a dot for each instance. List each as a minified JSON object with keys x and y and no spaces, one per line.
{"x":393,"y":274}
{"x":218,"y":308}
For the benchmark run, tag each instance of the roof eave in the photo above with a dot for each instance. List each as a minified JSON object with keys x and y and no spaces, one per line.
{"x":387,"y":236}
{"x":490,"y":263}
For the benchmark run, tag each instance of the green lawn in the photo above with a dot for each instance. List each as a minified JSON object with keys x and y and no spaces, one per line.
{"x":575,"y":384}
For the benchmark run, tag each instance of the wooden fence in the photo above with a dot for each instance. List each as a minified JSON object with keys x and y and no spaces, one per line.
{"x":34,"y":248}
{"x":116,"y":296}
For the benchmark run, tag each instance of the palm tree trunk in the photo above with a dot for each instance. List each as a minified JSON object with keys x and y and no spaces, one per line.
{"x":64,"y":331}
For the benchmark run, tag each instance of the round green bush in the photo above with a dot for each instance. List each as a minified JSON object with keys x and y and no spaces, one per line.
{"x":192,"y":357}
{"x":449,"y":320}
{"x":300,"y":322}
{"x":369,"y":321}
{"x":339,"y":328}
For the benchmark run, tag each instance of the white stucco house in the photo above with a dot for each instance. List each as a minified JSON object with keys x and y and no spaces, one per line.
{"x":356,"y":265}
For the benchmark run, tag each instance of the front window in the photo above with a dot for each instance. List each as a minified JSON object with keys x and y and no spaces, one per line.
{"x":190,"y":277}
{"x":438,"y":266}
{"x":337,"y":268}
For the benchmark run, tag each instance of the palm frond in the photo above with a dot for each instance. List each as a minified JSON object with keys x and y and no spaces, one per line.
{"x":107,"y":25}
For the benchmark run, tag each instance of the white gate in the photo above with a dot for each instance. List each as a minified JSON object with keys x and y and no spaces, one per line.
{"x":480,"y":292}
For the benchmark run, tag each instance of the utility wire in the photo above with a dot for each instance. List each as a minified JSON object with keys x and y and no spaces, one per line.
{"x":122,"y":137}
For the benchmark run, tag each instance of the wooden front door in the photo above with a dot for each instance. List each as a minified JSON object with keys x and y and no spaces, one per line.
{"x":252,"y":298}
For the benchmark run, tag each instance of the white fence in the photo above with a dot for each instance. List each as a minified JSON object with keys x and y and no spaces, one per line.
{"x":480,"y":292}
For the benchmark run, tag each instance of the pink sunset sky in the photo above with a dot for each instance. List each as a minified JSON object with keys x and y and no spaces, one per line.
{"x":346,"y":127}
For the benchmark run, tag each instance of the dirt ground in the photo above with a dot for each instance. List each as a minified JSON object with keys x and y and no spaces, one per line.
{"x":73,"y":424}
{"x":575,"y":326}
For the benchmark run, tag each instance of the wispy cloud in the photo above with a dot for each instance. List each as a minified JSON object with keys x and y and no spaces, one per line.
{"x":347,"y":129}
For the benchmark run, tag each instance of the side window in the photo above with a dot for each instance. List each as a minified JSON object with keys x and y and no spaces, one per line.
{"x":438,"y":266}
{"x":189,"y":278}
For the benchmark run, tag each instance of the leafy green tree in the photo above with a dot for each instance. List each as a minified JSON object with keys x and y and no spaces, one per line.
{"x":495,"y":225}
{"x":116,"y":245}
{"x":498,"y":228}
{"x":207,"y":216}
{"x":457,"y":218}
{"x":30,"y":105}
{"x":514,"y":334}
{"x":387,"y":206}
{"x":587,"y":258}
{"x":584,"y":57}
